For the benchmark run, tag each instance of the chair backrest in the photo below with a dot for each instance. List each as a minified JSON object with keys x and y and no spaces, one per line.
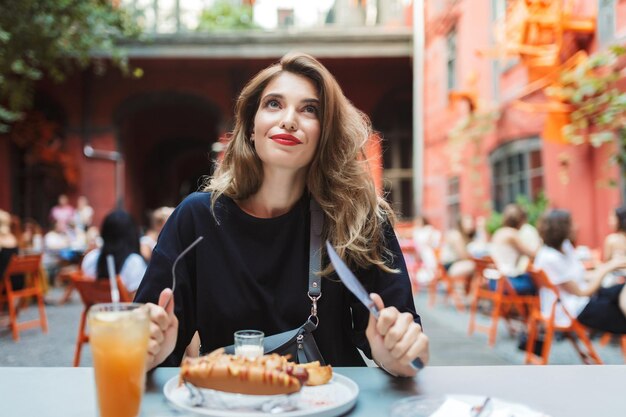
{"x":541,"y":280}
{"x":97,"y":291}
{"x":23,"y":264}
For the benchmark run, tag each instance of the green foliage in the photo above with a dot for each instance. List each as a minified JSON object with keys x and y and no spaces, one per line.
{"x":599,"y":106}
{"x":534,"y":209}
{"x":53,"y":38}
{"x":225,"y":15}
{"x":493,"y":222}
{"x":474,"y":126}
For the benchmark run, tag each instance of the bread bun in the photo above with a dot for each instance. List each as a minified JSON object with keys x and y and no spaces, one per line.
{"x":265,"y":375}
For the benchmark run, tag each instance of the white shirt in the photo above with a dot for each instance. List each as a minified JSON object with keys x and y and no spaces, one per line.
{"x":561,"y":267}
{"x":132,"y":271}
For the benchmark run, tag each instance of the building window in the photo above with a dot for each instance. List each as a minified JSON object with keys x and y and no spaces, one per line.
{"x":451,"y":59}
{"x":453,"y":201}
{"x":606,"y":21}
{"x":516,"y":170}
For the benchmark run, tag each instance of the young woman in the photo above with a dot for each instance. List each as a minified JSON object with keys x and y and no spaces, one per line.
{"x":296,"y":138}
{"x":580,"y":291}
{"x":120,"y":238}
{"x":511,"y":253}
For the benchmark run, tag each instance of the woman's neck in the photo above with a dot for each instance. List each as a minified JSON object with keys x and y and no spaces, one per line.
{"x":278,"y":194}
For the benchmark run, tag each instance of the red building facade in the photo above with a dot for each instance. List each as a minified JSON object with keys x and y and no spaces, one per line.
{"x":148,"y":142}
{"x":479,"y":175}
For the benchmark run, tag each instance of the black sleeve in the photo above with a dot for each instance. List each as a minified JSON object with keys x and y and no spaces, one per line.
{"x":394,"y":289}
{"x":178,"y":233}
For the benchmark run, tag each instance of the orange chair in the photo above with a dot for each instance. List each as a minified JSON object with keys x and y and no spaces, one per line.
{"x":29,"y":265}
{"x":449,"y":285}
{"x":536,"y":319}
{"x":503,"y":299}
{"x":606,"y":338}
{"x":92,"y":292}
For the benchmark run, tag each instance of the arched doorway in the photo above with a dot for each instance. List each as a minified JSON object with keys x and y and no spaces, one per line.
{"x":166,"y":139}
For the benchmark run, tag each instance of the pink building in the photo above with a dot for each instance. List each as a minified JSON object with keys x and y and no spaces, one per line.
{"x":478,"y":176}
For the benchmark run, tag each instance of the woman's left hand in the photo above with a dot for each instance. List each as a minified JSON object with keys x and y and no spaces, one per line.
{"x":396,"y":340}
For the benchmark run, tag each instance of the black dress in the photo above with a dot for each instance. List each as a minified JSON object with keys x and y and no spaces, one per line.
{"x":252,"y":273}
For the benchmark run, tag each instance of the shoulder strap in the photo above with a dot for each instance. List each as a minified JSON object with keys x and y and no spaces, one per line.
{"x":315,"y":249}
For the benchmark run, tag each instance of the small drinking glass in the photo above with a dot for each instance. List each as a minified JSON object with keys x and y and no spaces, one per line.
{"x":249,"y":343}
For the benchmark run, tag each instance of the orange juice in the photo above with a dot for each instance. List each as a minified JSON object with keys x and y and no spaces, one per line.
{"x":119,"y":343}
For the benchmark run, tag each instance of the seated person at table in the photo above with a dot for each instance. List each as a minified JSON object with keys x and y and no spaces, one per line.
{"x":510,"y":253}
{"x":296,"y":138}
{"x":580,"y":291}
{"x":148,"y":241}
{"x":454,"y":254}
{"x":120,"y":238}
{"x":615,"y":243}
{"x":8,"y":248}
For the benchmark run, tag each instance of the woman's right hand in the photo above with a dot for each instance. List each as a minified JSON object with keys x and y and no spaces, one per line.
{"x":163,"y":329}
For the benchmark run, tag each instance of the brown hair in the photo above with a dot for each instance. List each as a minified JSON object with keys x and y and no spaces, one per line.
{"x":339,"y":177}
{"x":513,"y":216}
{"x":555,"y":226}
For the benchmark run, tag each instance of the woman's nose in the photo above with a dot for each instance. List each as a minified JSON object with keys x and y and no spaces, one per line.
{"x":288,"y":124}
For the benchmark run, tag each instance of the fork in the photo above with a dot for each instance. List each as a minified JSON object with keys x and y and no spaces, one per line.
{"x":178,"y":258}
{"x":481,"y":410}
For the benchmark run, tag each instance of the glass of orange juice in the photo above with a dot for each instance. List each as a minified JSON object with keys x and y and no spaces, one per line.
{"x":118,"y":335}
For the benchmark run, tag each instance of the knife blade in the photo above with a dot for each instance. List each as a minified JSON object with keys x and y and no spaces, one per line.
{"x":354,"y":285}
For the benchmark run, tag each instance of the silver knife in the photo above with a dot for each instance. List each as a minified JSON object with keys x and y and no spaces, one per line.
{"x":354,"y":285}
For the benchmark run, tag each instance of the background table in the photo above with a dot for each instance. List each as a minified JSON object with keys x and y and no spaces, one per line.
{"x":568,"y":391}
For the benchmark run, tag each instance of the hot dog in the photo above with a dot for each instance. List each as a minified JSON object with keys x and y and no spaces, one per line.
{"x":265,"y":375}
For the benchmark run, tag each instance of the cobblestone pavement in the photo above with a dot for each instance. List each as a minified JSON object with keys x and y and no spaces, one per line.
{"x":446,"y":327}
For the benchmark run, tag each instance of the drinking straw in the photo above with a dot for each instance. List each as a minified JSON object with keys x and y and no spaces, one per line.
{"x":115,"y":292}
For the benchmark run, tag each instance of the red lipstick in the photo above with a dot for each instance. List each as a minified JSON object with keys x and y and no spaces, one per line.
{"x":286,"y":139}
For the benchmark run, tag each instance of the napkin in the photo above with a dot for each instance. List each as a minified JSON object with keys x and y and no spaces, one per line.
{"x":453,"y":408}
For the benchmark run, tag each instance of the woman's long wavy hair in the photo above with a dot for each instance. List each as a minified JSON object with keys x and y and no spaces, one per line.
{"x":339,"y":176}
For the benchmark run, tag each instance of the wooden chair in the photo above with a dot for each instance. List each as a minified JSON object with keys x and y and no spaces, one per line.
{"x":503,"y":298}
{"x":30,"y":266}
{"x":574,"y":328}
{"x":92,"y":292}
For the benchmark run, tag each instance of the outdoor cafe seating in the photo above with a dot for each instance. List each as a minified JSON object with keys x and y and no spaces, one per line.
{"x":504,"y":299}
{"x":28,"y":266}
{"x":572,"y":331}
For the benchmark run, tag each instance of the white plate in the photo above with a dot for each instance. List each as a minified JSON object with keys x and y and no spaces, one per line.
{"x":328,"y":400}
{"x":458,"y":406}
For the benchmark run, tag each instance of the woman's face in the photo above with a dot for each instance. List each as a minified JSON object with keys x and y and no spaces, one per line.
{"x":286,"y":125}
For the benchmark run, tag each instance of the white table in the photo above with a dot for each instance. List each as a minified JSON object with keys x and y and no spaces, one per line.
{"x":567,"y":391}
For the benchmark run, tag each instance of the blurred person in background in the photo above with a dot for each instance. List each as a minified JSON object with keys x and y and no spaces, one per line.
{"x":83,"y":215}
{"x":454,"y":255}
{"x":63,"y":213}
{"x":8,"y":241}
{"x":149,"y":240}
{"x":511,"y":253}
{"x":615,"y":243}
{"x":55,"y":242}
{"x":615,"y":246}
{"x":32,"y":237}
{"x":580,"y":290}
{"x":120,"y":237}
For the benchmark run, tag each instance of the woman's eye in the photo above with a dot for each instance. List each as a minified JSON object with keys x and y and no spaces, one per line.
{"x":272,"y":104}
{"x":310,"y":109}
